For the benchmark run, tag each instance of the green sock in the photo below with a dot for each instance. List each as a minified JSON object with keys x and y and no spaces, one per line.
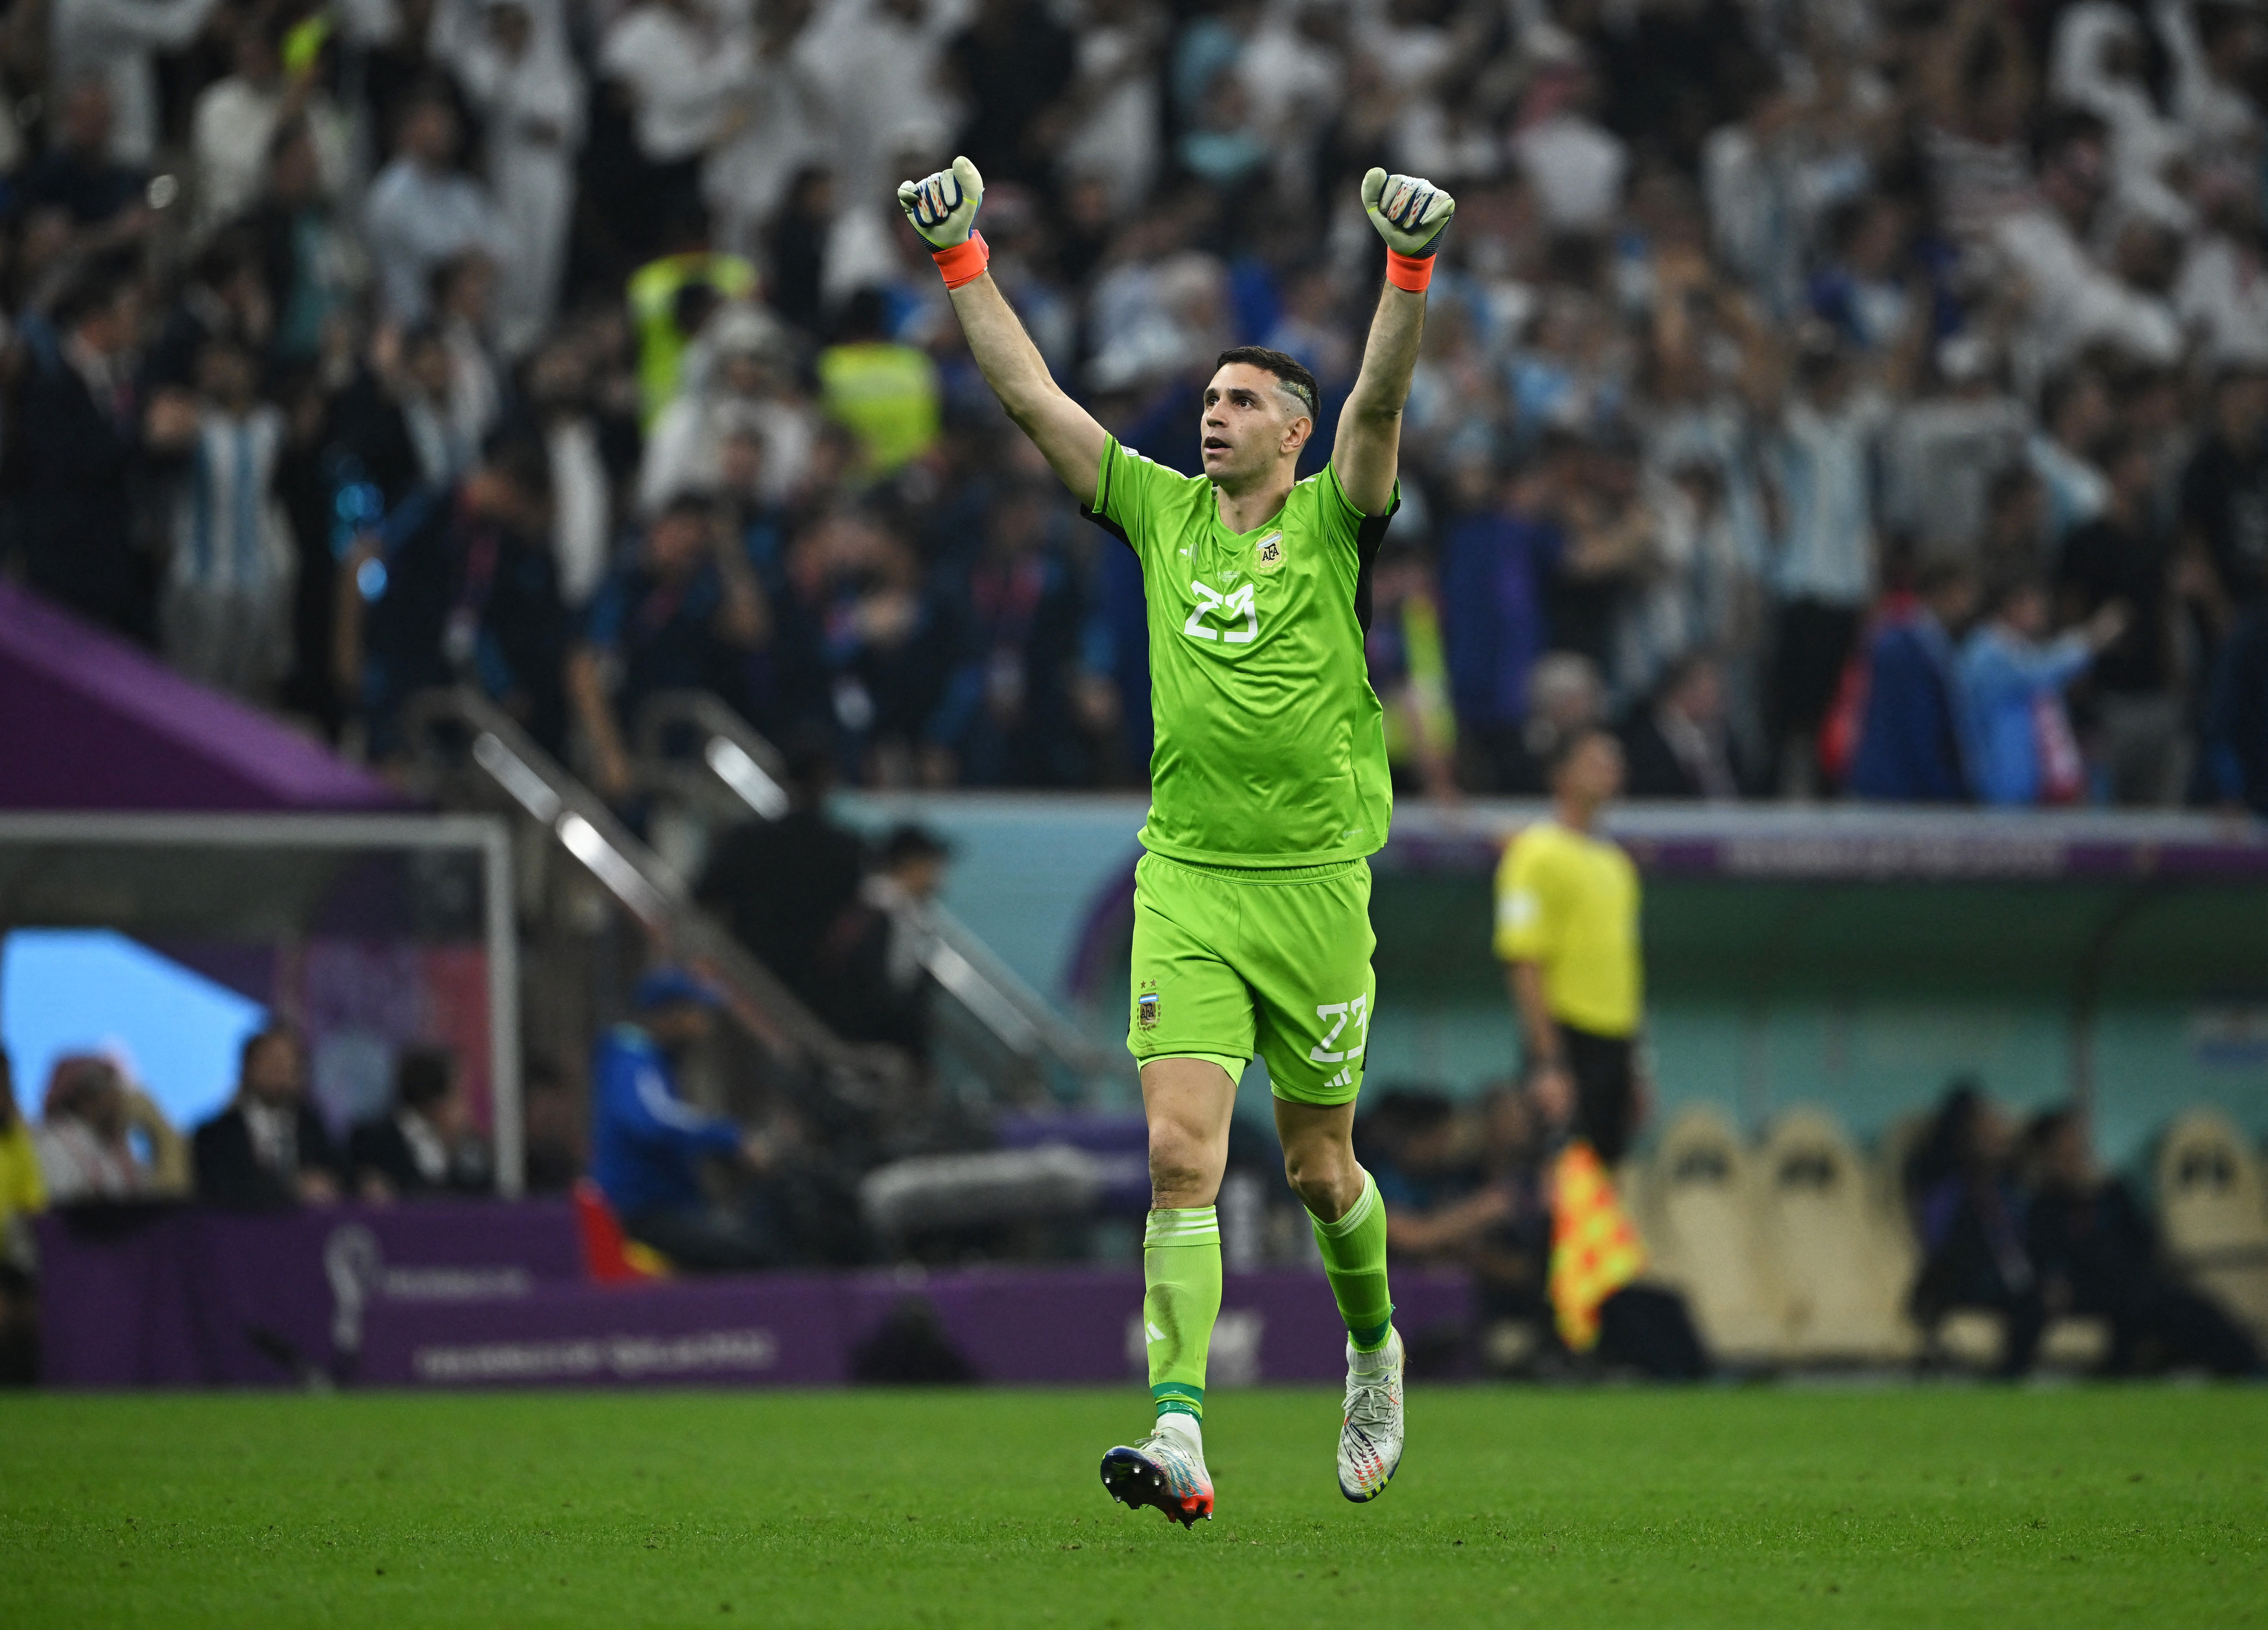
{"x":1181,"y":1298}
{"x":1354,"y":1259}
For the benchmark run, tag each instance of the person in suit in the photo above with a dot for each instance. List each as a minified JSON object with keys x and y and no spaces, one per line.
{"x":77,"y":451}
{"x":426,"y":1145}
{"x":267,"y":1150}
{"x":1678,"y":746}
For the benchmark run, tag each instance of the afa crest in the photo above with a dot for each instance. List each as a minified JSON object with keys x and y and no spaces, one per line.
{"x":1145,"y":1007}
{"x":1268,"y":555}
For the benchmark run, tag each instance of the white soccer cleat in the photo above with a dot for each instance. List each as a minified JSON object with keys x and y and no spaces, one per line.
{"x":1165,"y":1470}
{"x":1370,"y":1434}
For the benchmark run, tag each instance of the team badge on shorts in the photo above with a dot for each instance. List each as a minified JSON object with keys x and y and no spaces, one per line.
{"x":1268,"y":555}
{"x":1145,"y":1007}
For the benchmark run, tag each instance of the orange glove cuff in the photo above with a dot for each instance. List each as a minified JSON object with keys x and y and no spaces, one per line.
{"x":1408,"y":271}
{"x":964,"y":262}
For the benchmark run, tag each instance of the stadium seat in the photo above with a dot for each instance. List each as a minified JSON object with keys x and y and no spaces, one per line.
{"x":2211,"y":1208}
{"x":1845,"y":1275}
{"x":1700,"y":1226}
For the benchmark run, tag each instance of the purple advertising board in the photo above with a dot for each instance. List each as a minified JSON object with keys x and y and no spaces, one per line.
{"x":484,"y":1294}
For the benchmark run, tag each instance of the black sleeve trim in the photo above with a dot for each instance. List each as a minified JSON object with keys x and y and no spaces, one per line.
{"x":1108,"y":526}
{"x":1369,"y":536}
{"x":1102,"y":501}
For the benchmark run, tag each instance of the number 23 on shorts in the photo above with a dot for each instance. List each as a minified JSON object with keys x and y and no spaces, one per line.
{"x":1337,"y":1016}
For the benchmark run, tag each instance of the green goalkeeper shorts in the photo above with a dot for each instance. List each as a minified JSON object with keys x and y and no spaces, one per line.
{"x":1229,"y":963}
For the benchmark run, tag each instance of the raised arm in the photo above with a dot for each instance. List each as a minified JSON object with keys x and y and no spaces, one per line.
{"x":1411,"y":214}
{"x":943,"y":210}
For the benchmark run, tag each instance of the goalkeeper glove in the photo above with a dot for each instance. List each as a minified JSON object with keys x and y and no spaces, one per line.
{"x":943,"y":210}
{"x":1410,"y":213}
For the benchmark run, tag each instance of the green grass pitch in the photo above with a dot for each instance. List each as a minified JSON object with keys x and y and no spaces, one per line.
{"x":1927,"y":1507}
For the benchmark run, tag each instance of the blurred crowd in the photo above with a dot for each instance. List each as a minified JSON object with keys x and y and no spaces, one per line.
{"x":2011,"y":1219}
{"x":99,"y":1139}
{"x":1835,"y":395}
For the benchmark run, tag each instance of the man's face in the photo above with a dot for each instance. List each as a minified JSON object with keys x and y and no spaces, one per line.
{"x":447,"y":1114}
{"x":510,"y":28}
{"x":921,"y":876}
{"x":111,"y":330}
{"x":2027,"y":613}
{"x":744,"y":373}
{"x":1593,"y":772}
{"x":429,"y":134}
{"x":271,"y":1074}
{"x":429,"y":367}
{"x":679,"y":1025}
{"x":676,"y":542}
{"x":741,"y":465}
{"x":87,"y":118}
{"x":294,"y":172}
{"x":1701,"y":698}
{"x":2134,"y":475}
{"x":1251,"y":424}
{"x":2243,"y":404}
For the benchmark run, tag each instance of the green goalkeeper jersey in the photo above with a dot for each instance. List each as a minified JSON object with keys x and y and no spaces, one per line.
{"x":1270,"y":745}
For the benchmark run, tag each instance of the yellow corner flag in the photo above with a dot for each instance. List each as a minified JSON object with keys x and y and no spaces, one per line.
{"x":1595,"y":1250}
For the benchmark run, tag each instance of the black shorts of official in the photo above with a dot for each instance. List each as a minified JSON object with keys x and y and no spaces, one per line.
{"x":1606,"y":1092}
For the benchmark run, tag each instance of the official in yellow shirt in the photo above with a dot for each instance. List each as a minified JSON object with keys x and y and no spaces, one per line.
{"x":22,"y":1194}
{"x":1566,"y":930}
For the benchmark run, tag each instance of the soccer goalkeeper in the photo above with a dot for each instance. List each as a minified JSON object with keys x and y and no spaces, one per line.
{"x":1268,"y":789}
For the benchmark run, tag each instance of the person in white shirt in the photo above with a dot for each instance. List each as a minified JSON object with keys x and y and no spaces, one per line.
{"x":1945,"y":449}
{"x":686,"y":63}
{"x":1576,"y":168}
{"x":510,"y":57}
{"x":2222,"y":293}
{"x":225,"y":615}
{"x":880,"y":65}
{"x":82,"y":1139}
{"x":1822,"y":462}
{"x":781,"y":124}
{"x":464,"y":306}
{"x":733,"y":380}
{"x":2097,"y":65}
{"x":2220,"y":119}
{"x":2070,"y":300}
{"x":424,"y":211}
{"x":117,"y":42}
{"x":236,"y":121}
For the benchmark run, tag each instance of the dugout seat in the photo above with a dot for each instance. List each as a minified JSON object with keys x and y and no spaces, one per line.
{"x":1845,"y":1274}
{"x":1699,"y":1220}
{"x":2211,"y":1208}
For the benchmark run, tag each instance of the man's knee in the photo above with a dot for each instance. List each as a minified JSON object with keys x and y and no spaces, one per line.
{"x":1322,"y":1173}
{"x":1178,"y":1164}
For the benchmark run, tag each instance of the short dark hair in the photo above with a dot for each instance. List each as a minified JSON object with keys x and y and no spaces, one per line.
{"x":1939,"y":573}
{"x":909,"y":841}
{"x":422,"y":1077}
{"x":94,"y":290}
{"x":1289,"y":370}
{"x":2006,"y":591}
{"x":697,"y":502}
{"x":520,"y":458}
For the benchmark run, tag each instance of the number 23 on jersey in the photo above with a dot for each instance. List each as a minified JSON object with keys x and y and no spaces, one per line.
{"x":1227,"y":607}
